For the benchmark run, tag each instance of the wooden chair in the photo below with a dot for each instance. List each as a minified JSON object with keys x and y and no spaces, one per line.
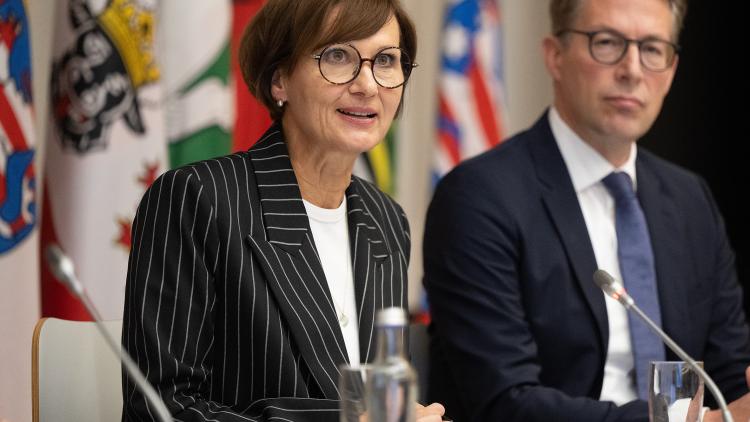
{"x":75,"y":376}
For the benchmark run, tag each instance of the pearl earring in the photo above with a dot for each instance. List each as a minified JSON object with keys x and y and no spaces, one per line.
{"x":280,"y":103}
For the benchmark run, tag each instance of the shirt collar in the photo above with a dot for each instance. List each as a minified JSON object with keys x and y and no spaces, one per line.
{"x":586,"y":166}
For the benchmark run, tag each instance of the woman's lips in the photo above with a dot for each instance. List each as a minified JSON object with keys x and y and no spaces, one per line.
{"x":358,"y":116}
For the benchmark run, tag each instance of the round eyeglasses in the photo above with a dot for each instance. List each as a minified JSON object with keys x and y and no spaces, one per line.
{"x":609,"y":47}
{"x":341,"y":63}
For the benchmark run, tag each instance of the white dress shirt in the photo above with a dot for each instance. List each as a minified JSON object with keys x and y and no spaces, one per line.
{"x":587,"y":168}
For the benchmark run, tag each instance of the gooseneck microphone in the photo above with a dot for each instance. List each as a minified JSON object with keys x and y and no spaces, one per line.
{"x":616,"y":290}
{"x":62,"y":267}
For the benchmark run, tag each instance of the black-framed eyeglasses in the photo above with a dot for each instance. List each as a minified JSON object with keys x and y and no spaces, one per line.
{"x":341,"y":63}
{"x":609,"y":47}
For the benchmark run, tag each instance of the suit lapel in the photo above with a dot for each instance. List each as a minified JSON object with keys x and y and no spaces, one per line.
{"x":369,"y":253}
{"x":671,"y":259}
{"x":286,"y":251}
{"x":561,"y":201}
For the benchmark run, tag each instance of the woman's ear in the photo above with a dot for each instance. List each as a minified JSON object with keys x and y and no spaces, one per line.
{"x":278,"y":86}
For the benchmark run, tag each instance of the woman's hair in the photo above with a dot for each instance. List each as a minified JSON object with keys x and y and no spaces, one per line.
{"x":283,"y":32}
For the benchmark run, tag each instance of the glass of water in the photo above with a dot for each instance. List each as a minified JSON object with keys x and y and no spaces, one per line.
{"x":352,"y":393}
{"x":675,"y":392}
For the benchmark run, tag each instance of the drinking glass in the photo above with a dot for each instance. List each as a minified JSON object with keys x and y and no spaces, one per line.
{"x":675,"y":392}
{"x":352,"y":393}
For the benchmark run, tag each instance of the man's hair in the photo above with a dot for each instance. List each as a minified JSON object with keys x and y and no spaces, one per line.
{"x":563,"y":13}
{"x":283,"y":32}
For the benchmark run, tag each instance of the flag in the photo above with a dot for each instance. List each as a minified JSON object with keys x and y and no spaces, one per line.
{"x":382,"y":161}
{"x":19,"y":288}
{"x":195,"y":75}
{"x":470,"y":93}
{"x":252,"y":119}
{"x":107,"y":143}
{"x":471,"y":97}
{"x":378,"y":165}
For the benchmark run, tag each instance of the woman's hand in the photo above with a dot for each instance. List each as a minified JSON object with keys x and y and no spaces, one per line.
{"x":431,"y":413}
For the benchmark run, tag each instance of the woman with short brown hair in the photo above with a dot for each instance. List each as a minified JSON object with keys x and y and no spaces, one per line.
{"x":253,"y":276}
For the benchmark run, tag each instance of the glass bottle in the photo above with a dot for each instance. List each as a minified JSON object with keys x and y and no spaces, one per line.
{"x":391,"y":385}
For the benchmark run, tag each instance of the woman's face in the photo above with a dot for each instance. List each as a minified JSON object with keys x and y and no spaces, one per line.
{"x":349,"y":118}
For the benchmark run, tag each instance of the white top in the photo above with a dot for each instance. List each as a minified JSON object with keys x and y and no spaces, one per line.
{"x":587,"y":168}
{"x":330,"y":231}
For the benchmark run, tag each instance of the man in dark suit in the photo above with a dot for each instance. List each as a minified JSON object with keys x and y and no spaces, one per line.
{"x":520,"y":332}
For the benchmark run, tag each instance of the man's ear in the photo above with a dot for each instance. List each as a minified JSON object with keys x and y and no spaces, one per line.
{"x":672,"y":70}
{"x":552,"y":49}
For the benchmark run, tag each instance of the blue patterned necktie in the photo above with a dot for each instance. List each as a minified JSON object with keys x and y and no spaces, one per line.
{"x":637,"y":268}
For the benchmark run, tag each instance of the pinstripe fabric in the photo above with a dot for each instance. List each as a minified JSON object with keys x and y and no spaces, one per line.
{"x":227,"y":309}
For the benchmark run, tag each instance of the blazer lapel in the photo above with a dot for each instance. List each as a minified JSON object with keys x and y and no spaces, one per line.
{"x":369,"y":253}
{"x":286,"y":251}
{"x":671,"y":259}
{"x":561,"y":200}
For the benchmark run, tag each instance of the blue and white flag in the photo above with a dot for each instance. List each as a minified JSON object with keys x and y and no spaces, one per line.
{"x":19,"y":272}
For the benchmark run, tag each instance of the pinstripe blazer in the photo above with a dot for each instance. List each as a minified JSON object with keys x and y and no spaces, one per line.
{"x":227,"y":310}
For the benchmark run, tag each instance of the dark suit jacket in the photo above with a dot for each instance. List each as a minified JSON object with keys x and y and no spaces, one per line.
{"x":519,"y":329}
{"x":227,"y":308}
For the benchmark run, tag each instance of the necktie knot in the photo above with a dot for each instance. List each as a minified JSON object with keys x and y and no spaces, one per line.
{"x":619,"y":185}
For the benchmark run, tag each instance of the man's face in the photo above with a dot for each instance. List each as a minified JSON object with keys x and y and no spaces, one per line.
{"x":610,"y":105}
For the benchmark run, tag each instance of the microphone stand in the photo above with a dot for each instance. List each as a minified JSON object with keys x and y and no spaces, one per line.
{"x":62,"y":268}
{"x":614,"y":289}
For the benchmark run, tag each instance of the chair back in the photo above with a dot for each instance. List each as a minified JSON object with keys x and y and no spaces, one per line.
{"x":75,"y":376}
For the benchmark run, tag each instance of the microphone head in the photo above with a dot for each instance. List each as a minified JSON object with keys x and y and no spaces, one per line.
{"x":603,"y":279}
{"x":612,"y":287}
{"x":62,"y":267}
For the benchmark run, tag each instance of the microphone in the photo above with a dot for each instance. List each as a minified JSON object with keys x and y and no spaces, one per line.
{"x":62,"y":268}
{"x":616,"y":290}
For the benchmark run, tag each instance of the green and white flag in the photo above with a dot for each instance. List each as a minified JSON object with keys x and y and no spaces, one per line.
{"x":195,"y":65}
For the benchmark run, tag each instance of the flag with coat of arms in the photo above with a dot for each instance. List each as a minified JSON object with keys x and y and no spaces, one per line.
{"x":107,"y":143}
{"x":137,"y":87}
{"x":19,"y":303}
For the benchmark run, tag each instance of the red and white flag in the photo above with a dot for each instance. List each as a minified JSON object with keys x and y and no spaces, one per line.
{"x":19,"y":275}
{"x":471,"y":93}
{"x":107,"y":143}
